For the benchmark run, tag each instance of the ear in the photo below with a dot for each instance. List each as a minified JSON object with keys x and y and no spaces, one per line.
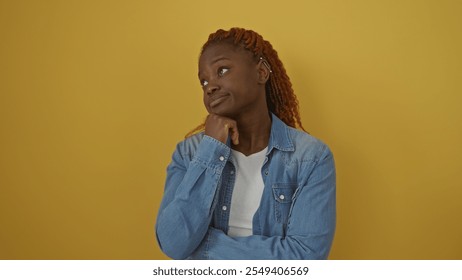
{"x":264,"y":71}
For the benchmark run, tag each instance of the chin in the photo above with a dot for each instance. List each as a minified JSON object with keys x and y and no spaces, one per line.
{"x":221,"y":111}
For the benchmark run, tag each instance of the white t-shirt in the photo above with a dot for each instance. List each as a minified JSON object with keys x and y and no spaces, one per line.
{"x":247,"y":192}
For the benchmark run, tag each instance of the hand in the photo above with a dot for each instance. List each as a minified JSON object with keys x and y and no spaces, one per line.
{"x":220,"y":127}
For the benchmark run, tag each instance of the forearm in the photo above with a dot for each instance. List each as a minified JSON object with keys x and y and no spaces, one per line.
{"x":189,"y":197}
{"x":182,"y":223}
{"x":217,"y":245}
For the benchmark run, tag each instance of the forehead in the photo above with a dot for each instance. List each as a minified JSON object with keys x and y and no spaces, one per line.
{"x":220,"y":51}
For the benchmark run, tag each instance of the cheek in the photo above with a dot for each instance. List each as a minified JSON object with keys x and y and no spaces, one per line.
{"x":206,"y":102}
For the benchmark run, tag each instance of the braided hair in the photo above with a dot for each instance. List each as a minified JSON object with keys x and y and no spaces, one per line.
{"x":280,"y":97}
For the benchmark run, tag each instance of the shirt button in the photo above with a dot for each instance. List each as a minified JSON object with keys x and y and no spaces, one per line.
{"x":266,"y":172}
{"x":282,"y":197}
{"x":231,"y":172}
{"x":224,"y":208}
{"x":222,"y":158}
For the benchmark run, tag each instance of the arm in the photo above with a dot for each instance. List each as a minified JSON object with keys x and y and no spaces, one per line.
{"x":189,"y":195}
{"x":310,"y":228}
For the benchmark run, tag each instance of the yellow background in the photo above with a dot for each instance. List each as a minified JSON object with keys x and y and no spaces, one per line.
{"x":94,"y":96}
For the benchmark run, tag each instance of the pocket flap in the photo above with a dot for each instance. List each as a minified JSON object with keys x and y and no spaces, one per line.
{"x":283,"y":195}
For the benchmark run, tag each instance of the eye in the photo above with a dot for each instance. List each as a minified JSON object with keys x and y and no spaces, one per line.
{"x":222,"y":71}
{"x":204,"y":83}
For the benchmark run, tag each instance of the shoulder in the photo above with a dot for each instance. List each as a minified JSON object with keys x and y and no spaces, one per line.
{"x":308,"y":147}
{"x":296,"y":145}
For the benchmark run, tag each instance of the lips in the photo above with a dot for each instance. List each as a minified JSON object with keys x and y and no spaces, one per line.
{"x":217,"y":99}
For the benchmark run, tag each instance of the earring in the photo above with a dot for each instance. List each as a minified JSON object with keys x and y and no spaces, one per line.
{"x":266,"y":64}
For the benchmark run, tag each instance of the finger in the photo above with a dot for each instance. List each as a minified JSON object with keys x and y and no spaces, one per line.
{"x":234,"y":135}
{"x":232,"y":131}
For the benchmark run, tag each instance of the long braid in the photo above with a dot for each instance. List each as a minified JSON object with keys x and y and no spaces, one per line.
{"x":281,"y":98}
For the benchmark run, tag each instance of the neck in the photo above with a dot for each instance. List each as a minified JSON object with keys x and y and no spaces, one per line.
{"x":254,"y":132}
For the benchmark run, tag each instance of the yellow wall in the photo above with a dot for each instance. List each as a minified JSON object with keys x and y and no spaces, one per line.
{"x":94,"y":95}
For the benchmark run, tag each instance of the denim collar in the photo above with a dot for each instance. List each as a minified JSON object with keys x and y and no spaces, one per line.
{"x":279,"y":137}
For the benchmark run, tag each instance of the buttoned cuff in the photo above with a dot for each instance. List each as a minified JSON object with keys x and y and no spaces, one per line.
{"x":212,"y":153}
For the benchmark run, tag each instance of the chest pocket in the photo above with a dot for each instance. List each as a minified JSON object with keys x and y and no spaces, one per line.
{"x":283,"y":194}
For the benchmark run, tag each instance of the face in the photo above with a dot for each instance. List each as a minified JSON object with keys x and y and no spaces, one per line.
{"x":231,"y":80}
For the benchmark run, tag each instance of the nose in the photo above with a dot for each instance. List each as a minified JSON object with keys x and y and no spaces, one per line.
{"x":211,"y":88}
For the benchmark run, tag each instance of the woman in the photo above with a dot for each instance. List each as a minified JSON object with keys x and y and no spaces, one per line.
{"x":251,"y":185}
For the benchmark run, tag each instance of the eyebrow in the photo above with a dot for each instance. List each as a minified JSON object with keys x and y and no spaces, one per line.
{"x":220,"y":58}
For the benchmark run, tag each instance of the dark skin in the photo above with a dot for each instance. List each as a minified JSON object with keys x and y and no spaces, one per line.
{"x":234,"y":96}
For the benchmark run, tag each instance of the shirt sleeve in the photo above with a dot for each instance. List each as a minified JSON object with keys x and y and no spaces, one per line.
{"x":310,"y":228}
{"x":189,"y":197}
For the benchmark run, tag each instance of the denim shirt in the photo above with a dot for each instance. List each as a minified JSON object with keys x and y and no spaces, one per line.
{"x":297,"y":211}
